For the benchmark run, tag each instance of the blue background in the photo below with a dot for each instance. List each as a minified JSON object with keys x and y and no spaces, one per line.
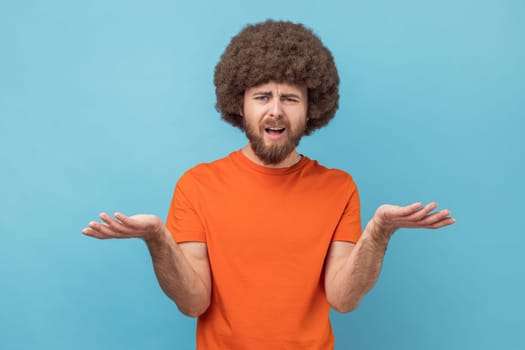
{"x":104,"y":104}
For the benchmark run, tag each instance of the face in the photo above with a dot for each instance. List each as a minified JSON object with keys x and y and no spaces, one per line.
{"x":274,"y":117}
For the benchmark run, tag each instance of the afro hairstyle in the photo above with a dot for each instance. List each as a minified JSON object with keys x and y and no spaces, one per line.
{"x":279,"y":51}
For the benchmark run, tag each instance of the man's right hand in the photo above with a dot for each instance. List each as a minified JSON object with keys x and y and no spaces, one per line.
{"x":183,"y":270}
{"x":145,"y":226}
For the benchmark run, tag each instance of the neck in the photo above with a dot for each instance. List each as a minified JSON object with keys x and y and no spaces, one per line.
{"x":292,"y":159}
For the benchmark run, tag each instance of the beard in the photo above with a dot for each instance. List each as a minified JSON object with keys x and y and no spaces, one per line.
{"x":276,"y":151}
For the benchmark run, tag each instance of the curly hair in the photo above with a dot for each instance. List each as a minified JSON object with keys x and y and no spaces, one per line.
{"x":277,"y":51}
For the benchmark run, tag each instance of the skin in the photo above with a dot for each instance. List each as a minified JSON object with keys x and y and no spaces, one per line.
{"x":351,"y":270}
{"x":182,"y":269}
{"x":275,"y":105}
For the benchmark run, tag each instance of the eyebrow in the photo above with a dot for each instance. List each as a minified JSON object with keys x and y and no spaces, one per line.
{"x":269,"y":93}
{"x":290,"y":95}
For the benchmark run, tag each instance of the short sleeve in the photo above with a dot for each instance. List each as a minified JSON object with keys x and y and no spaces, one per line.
{"x":183,"y":220}
{"x":349,"y":227}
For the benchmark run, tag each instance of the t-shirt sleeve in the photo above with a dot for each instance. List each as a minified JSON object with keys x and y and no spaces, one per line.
{"x":349,"y":227}
{"x":183,"y":219}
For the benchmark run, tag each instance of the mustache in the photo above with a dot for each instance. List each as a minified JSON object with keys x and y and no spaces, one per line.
{"x":273,"y":123}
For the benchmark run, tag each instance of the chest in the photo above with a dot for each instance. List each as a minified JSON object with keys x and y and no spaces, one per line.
{"x":275,"y":219}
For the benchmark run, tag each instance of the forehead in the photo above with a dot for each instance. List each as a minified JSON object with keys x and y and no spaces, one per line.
{"x":278,"y":88}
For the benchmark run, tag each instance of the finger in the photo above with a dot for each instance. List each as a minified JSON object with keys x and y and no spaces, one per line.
{"x":435,"y":217}
{"x":410,"y":209}
{"x":127,"y":221}
{"x":104,"y":230}
{"x":424,"y":211}
{"x":445,"y":222}
{"x":95,"y":234}
{"x":115,"y":225}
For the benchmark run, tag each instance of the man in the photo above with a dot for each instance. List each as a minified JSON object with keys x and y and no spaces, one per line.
{"x":260,"y":244}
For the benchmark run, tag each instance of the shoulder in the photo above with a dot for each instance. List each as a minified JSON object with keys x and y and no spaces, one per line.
{"x":207,"y":172}
{"x":330,"y":176}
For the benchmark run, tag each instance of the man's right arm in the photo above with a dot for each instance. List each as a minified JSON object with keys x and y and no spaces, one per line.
{"x":182,"y":270}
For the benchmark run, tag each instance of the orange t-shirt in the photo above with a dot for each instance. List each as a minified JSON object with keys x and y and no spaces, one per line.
{"x":267,"y":232}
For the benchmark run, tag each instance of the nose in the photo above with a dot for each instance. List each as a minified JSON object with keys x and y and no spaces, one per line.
{"x":276,"y":108}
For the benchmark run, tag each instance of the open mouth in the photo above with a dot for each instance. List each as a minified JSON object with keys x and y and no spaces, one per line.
{"x":274,"y":131}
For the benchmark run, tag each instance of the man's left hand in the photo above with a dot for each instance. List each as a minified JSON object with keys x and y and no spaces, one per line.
{"x":389,"y":218}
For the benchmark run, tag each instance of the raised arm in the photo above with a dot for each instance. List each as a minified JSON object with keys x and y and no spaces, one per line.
{"x":351,"y":270}
{"x":182,"y":270}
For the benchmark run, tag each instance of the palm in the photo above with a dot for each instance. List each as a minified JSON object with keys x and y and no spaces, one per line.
{"x":143,"y":226}
{"x":412,"y":216}
{"x":145,"y":220}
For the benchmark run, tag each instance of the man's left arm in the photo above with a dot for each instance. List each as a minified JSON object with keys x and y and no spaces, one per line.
{"x":351,"y":270}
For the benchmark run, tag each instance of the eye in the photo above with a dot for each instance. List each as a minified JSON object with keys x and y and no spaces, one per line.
{"x":290,"y":99}
{"x":262,"y":98}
